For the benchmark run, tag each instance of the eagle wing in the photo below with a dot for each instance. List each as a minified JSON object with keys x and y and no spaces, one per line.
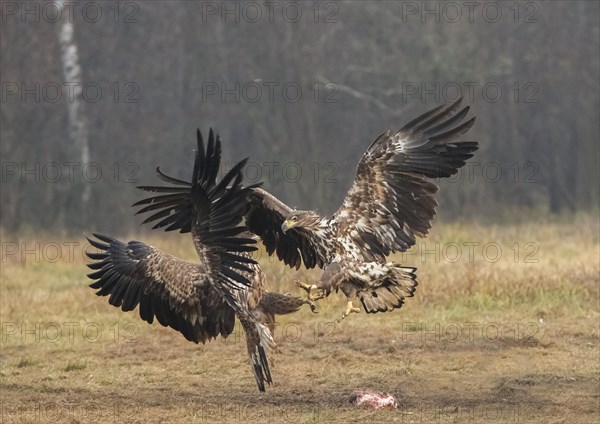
{"x":264,"y":213}
{"x":196,"y":299}
{"x":390,"y":201}
{"x":175,"y":292}
{"x":212,"y":212}
{"x":264,"y":217}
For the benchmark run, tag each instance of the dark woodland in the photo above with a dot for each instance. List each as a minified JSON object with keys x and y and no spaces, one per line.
{"x":302,"y":93}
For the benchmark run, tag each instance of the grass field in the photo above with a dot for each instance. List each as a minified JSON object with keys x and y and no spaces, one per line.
{"x":504,"y":328}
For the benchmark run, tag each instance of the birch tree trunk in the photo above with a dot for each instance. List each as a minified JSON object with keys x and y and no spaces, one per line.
{"x":78,"y":128}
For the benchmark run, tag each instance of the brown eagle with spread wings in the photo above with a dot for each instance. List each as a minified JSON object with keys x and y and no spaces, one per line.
{"x":390,"y":203}
{"x":200,"y":300}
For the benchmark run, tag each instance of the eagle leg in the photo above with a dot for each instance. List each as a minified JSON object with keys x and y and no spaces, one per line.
{"x":349,"y":309}
{"x":307,"y":301}
{"x":308,"y":289}
{"x":313,"y":305}
{"x":304,"y":286}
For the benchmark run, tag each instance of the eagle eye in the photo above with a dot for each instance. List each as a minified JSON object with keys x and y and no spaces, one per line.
{"x":295,"y":218}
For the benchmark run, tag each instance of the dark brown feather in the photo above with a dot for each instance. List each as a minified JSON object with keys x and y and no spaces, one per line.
{"x":390,"y":199}
{"x":176,"y":292}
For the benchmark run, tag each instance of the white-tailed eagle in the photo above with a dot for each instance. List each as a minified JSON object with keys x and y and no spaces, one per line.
{"x":200,"y":300}
{"x":390,"y":203}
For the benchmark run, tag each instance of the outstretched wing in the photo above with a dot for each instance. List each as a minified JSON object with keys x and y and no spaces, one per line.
{"x":176,"y":292}
{"x":390,"y":201}
{"x":217,"y":211}
{"x":212,"y":212}
{"x":264,"y":214}
{"x":171,"y":289}
{"x":173,"y":207}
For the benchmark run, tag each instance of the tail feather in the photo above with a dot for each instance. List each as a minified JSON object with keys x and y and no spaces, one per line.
{"x":398,"y":284}
{"x":260,"y":345}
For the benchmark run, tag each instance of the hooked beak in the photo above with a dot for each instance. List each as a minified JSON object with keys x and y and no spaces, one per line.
{"x":287,"y":224}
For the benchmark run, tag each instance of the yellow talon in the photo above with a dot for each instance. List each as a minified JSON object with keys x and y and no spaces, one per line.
{"x":313,"y":306}
{"x":308,"y":288}
{"x":349,"y":309}
{"x":305,"y":286}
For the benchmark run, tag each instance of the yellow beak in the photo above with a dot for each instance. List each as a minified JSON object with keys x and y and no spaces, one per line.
{"x":287,"y":224}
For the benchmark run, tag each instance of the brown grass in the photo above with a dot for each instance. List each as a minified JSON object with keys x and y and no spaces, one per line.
{"x":514,"y":340}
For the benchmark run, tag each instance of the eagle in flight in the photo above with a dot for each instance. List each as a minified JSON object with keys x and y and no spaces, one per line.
{"x":390,"y":203}
{"x":200,"y":300}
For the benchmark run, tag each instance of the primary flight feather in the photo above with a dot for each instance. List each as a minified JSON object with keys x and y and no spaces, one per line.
{"x":390,"y":203}
{"x":200,"y":300}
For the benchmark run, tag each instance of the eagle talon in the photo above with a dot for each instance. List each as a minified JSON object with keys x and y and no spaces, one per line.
{"x":310,"y":299}
{"x":349,"y":310}
{"x":306,"y":287}
{"x":313,"y":306}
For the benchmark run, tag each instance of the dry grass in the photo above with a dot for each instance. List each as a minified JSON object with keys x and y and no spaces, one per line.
{"x":506,"y":341}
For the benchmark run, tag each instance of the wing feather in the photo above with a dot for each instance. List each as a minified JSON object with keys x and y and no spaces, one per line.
{"x":175,"y":292}
{"x":212,"y":211}
{"x":264,"y":217}
{"x":182,"y":295}
{"x":264,"y":213}
{"x":390,"y":201}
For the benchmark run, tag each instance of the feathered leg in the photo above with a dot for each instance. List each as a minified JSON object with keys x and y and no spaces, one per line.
{"x":282,"y":304}
{"x":272,"y":304}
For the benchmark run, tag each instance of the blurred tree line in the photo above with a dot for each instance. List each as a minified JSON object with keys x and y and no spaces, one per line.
{"x":301,"y":89}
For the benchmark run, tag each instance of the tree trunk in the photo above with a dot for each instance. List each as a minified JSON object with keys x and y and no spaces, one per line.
{"x":78,"y":128}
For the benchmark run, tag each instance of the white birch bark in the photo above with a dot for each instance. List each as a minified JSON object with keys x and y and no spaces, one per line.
{"x":78,"y":130}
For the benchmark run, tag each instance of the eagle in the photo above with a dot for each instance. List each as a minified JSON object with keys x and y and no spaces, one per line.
{"x":199,"y":300}
{"x":390,"y":203}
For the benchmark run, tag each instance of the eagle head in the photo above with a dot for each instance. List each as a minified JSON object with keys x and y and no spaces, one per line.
{"x":301,"y":219}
